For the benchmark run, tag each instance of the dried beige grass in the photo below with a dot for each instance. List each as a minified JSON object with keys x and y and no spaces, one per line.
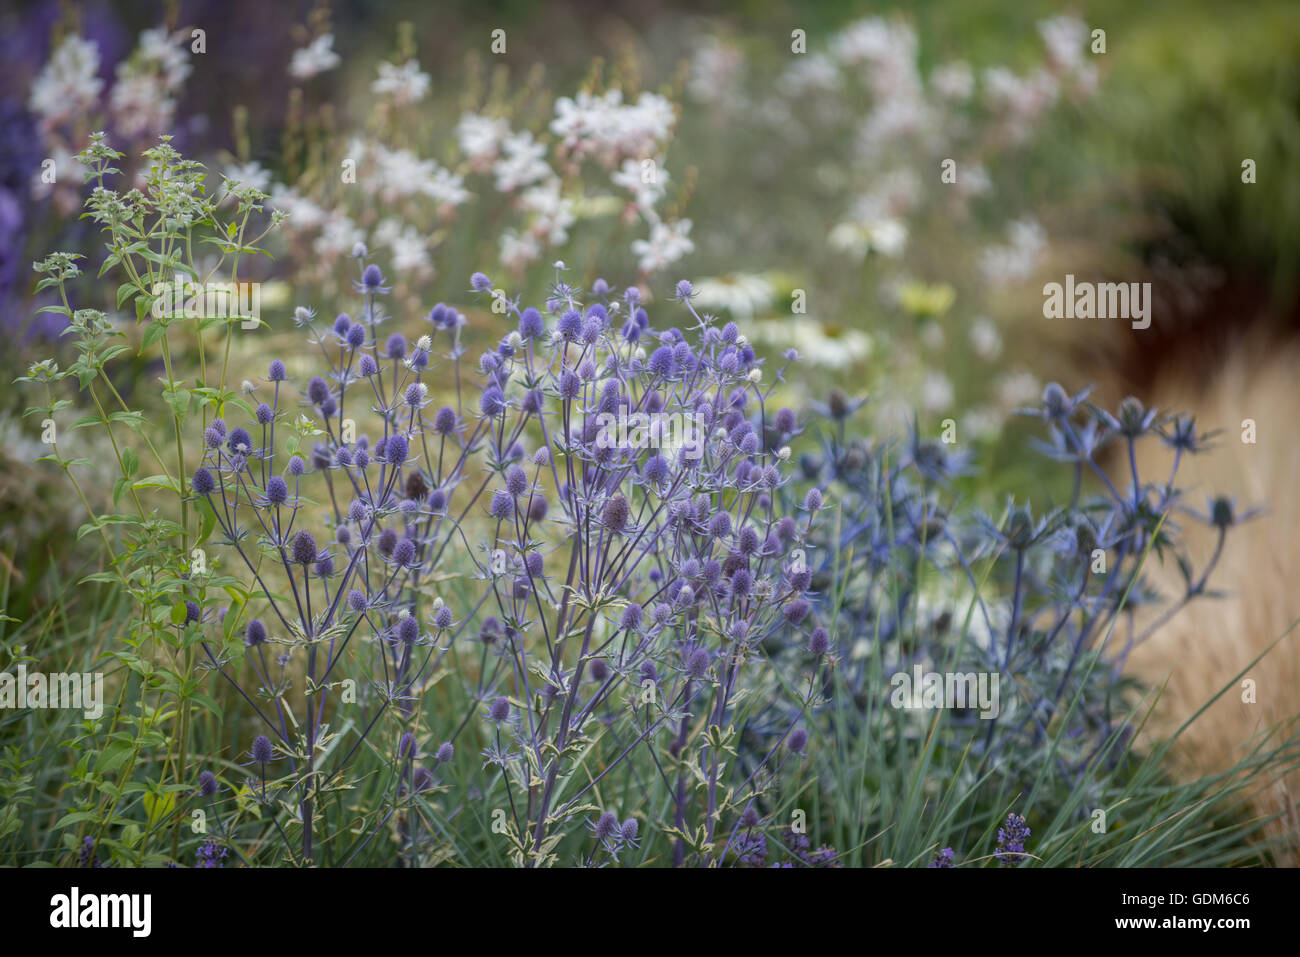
{"x":1213,"y":639}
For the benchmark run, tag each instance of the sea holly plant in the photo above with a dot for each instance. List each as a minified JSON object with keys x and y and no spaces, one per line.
{"x":155,"y":237}
{"x":620,"y":586}
{"x":1044,"y":603}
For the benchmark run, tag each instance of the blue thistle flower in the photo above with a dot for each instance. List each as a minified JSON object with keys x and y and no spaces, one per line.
{"x":203,"y":483}
{"x":255,"y":633}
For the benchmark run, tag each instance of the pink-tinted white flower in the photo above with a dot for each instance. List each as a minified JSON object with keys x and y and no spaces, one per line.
{"x":315,"y":58}
{"x":405,"y":84}
{"x":522,"y":162}
{"x":69,"y":85}
{"x":667,"y":244}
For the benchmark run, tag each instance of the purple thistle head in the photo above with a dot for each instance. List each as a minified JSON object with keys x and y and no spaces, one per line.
{"x":207,"y":783}
{"x":395,"y":348}
{"x":798,"y":740}
{"x":502,"y":506}
{"x":356,"y":336}
{"x":795,"y":611}
{"x":342,"y":324}
{"x":442,"y":618}
{"x":784,"y":422}
{"x":606,"y":826}
{"x":656,"y":469}
{"x":819,"y":642}
{"x":628,"y":830}
{"x":255,"y":633}
{"x":357,"y":600}
{"x":500,"y":709}
{"x":445,"y":752}
{"x":239,"y":441}
{"x":615,"y":513}
{"x":367,"y":366}
{"x":372,"y":279}
{"x":570,"y":325}
{"x":813,"y":500}
{"x":192,"y":612}
{"x":479,"y":282}
{"x":318,"y":390}
{"x":396,"y":448}
{"x":404,"y":553}
{"x":277,"y":490}
{"x":492,"y":402}
{"x":698,"y":663}
{"x":516,"y":481}
{"x":277,"y":371}
{"x":661,"y":362}
{"x":212,"y":436}
{"x":324,"y":566}
{"x":684,"y":290}
{"x":304,"y":548}
{"x":262,"y":751}
{"x":531,"y":325}
{"x":203,"y":483}
{"x":406,"y":746}
{"x":444,"y":423}
{"x":631,"y":619}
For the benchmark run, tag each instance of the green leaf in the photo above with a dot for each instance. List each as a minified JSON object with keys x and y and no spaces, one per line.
{"x":159,"y":481}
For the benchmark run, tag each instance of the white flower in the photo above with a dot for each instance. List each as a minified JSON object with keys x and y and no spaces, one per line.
{"x":985,"y":339}
{"x":1066,"y":39}
{"x":249,"y":174}
{"x":446,"y":187}
{"x":315,"y":58}
{"x":553,"y":213}
{"x":1018,"y":389}
{"x":936,"y":392}
{"x":1017,"y":260}
{"x":303,"y":213}
{"x":143,"y":94}
{"x":982,"y":422}
{"x":954,"y":81}
{"x":69,"y":85}
{"x":631,"y":177}
{"x":338,"y":237}
{"x":405,"y":83}
{"x":521,"y":164}
{"x":480,"y":137}
{"x":409,"y":249}
{"x":716,"y":71}
{"x":741,"y":295}
{"x":606,"y":128}
{"x":517,"y":251}
{"x":808,"y":74}
{"x":667,"y":244}
{"x":818,"y":345}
